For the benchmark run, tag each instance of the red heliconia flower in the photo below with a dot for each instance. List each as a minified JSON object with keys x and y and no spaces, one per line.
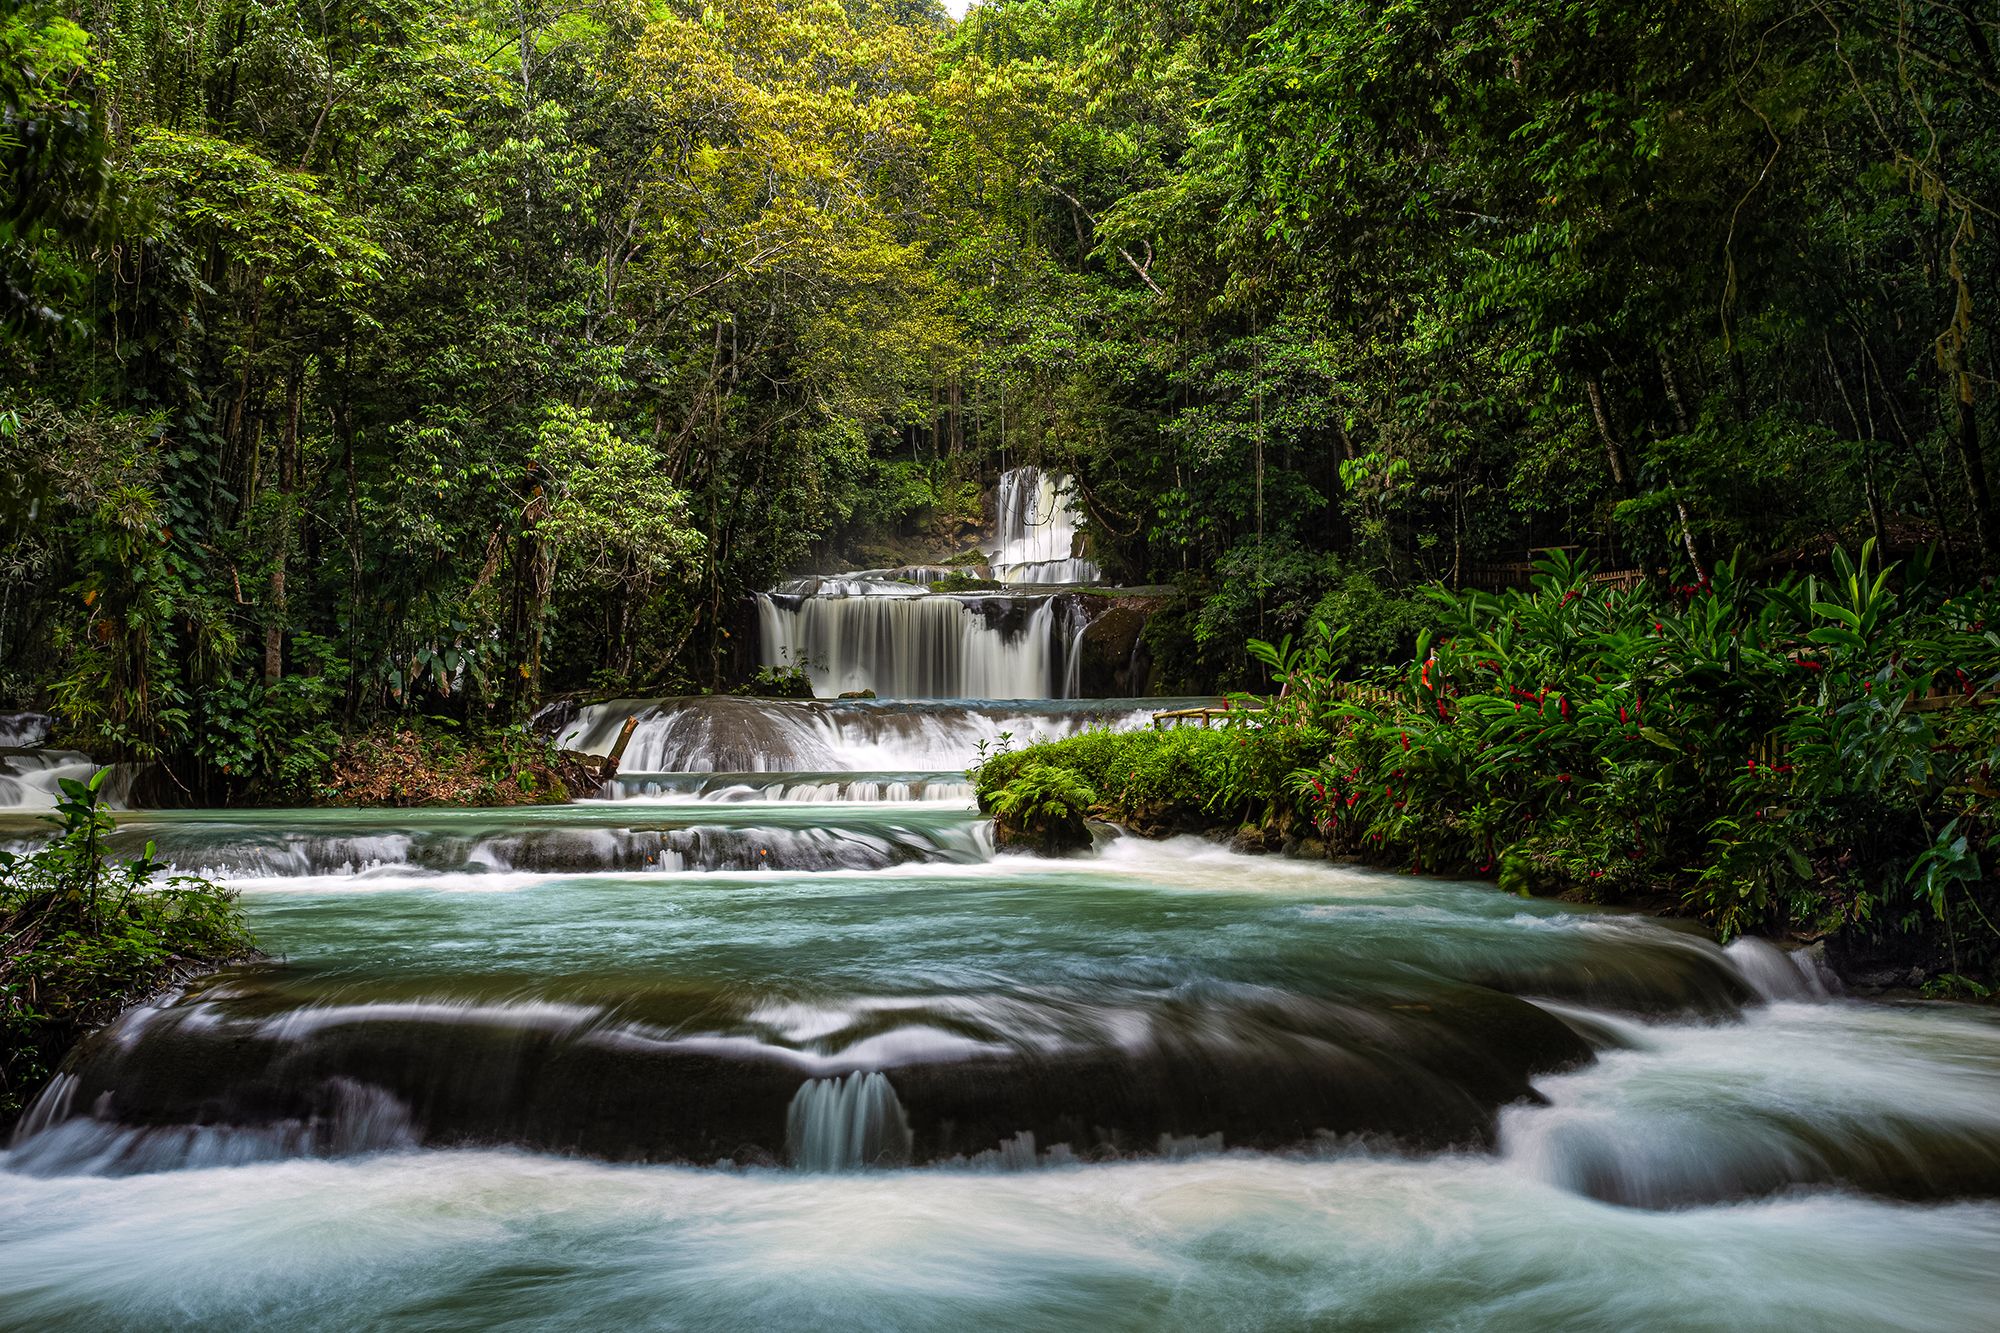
{"x":1621,"y":712}
{"x":1404,"y":736}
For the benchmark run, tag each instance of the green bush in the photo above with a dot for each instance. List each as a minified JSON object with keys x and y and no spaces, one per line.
{"x":1795,"y":755}
{"x":82,"y":936}
{"x":1184,"y":777}
{"x":1816,"y":754}
{"x":1043,"y":806}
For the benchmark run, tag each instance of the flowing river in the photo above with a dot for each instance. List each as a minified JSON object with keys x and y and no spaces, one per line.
{"x":770,"y":1038}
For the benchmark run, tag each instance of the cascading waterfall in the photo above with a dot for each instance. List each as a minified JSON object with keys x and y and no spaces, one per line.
{"x":783,"y":939}
{"x":848,"y":1123}
{"x":721,"y":734}
{"x":1036,"y":530}
{"x":913,"y":647}
{"x":24,"y":731}
{"x":887,"y":631}
{"x":30,"y":779}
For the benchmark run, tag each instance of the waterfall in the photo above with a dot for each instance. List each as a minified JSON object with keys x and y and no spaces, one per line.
{"x":847,"y":1123}
{"x":914,"y":647}
{"x":31,"y":779}
{"x":24,"y":731}
{"x":1036,"y":531}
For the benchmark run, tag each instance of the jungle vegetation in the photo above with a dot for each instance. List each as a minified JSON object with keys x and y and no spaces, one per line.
{"x":362,"y":358}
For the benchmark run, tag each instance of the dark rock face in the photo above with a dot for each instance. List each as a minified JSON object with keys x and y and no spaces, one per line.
{"x":552,"y":718}
{"x":1115,"y":662}
{"x":1258,"y":1069}
{"x":1050,"y":837}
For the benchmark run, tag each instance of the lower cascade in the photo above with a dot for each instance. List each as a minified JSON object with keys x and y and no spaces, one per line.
{"x":773,"y":991}
{"x":847,"y":1123}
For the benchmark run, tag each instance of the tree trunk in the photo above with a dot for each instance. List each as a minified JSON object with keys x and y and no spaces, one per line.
{"x":1612,"y":453}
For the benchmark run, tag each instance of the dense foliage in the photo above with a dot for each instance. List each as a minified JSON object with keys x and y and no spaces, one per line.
{"x":82,"y":936}
{"x":1810,"y":755}
{"x":373,"y":356}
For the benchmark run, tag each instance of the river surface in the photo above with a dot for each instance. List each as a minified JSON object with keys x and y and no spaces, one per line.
{"x":790,"y":1047}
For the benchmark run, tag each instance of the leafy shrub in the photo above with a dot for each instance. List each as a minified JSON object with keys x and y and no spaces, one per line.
{"x":1043,"y":805}
{"x":1185,"y":777}
{"x":791,"y":678}
{"x":1786,"y":755}
{"x":82,"y":936}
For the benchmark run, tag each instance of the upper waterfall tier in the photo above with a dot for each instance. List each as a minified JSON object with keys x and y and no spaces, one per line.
{"x":1036,"y":530}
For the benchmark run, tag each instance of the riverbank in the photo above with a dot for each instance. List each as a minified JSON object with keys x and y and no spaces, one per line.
{"x":84,"y":937}
{"x":430,"y":763}
{"x":1238,"y":784}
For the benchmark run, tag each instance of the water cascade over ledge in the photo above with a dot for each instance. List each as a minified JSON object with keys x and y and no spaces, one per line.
{"x":1037,"y":530}
{"x":767,"y":1034}
{"x":890,"y":632}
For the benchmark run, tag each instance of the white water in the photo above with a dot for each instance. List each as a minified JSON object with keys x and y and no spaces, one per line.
{"x":1036,"y":530}
{"x":807,"y":966}
{"x":29,"y":778}
{"x":905,"y":645}
{"x":885,"y":631}
{"x":847,"y":1123}
{"x":729,"y":735}
{"x":808,"y":788}
{"x":24,"y":731}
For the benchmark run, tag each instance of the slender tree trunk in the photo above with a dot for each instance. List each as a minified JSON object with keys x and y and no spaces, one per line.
{"x":288,"y":485}
{"x":1612,"y":453}
{"x":1972,"y":460}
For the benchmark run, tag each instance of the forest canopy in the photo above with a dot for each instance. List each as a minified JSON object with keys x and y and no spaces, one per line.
{"x":372,"y":356}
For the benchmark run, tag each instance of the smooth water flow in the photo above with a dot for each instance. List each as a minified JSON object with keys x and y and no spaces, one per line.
{"x":888,"y":631}
{"x":908,"y":646}
{"x":847,"y":1123}
{"x":1037,"y":530}
{"x":769,"y":1037}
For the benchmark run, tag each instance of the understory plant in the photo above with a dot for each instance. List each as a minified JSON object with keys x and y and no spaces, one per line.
{"x":1043,"y":806}
{"x":1807,"y":754}
{"x":83,"y":934}
{"x":1813,"y":753}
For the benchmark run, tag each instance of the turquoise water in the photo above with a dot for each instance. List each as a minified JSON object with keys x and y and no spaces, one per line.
{"x":500,"y":1074}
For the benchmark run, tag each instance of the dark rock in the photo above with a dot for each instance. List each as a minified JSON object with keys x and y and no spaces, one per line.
{"x":553,"y":717}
